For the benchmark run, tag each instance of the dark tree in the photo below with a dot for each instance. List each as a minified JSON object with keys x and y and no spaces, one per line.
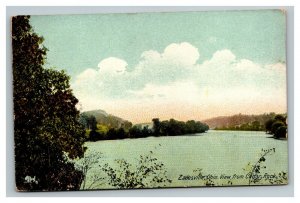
{"x":135,"y":132}
{"x":268,"y":125}
{"x":156,"y":126}
{"x":281,"y":118}
{"x":146,"y":132}
{"x":89,"y":122}
{"x":83,"y":119}
{"x":173,"y":127}
{"x":112,"y":134}
{"x":94,"y":136}
{"x":121,"y":134}
{"x":277,"y":126}
{"x":281,"y":132}
{"x":190,"y":125}
{"x":46,"y":121}
{"x":164,"y":127}
{"x":92,"y":123}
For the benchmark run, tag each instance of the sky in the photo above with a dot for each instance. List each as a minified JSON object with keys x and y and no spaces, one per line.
{"x":190,"y":65}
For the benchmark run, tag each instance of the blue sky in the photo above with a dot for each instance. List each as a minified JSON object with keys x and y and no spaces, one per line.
{"x":191,"y":65}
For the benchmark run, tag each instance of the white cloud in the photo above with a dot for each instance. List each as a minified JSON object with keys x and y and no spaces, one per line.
{"x":112,"y":66}
{"x":172,"y":64}
{"x":86,"y":75}
{"x":174,"y":78}
{"x":248,"y":66}
{"x":221,"y":58}
{"x":183,"y":54}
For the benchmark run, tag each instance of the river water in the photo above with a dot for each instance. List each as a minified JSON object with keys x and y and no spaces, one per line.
{"x":224,"y":156}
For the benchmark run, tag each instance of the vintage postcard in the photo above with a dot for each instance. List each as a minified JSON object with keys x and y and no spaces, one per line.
{"x":150,"y":100}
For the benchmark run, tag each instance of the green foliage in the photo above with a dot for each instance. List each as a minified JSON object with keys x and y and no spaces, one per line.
{"x":256,"y":173}
{"x":252,"y":126}
{"x":174,"y":127}
{"x":148,"y":172}
{"x":280,"y":132}
{"x":89,"y":122}
{"x":268,"y":125}
{"x":170,"y":127}
{"x":277,"y":126}
{"x":156,"y":126}
{"x":102,"y":128}
{"x":94,"y":136}
{"x":240,"y":122}
{"x":280,"y":118}
{"x":135,"y":132}
{"x":45,"y":118}
{"x":112,"y":133}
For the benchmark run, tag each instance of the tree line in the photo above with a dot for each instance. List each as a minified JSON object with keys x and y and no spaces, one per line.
{"x":276,"y":126}
{"x":159,"y":128}
{"x":252,"y":126}
{"x":240,"y":121}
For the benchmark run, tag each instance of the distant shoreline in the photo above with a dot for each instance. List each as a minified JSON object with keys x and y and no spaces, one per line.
{"x":194,"y":135}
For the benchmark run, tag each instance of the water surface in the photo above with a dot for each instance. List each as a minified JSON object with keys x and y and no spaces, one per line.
{"x":215,"y":152}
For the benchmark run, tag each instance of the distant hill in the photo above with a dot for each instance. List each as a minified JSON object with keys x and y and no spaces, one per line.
{"x":237,"y":120}
{"x":108,"y":119}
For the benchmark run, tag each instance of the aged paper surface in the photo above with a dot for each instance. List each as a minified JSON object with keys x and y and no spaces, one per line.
{"x":150,"y":100}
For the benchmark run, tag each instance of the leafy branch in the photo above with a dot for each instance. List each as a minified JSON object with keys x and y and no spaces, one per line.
{"x":147,"y":172}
